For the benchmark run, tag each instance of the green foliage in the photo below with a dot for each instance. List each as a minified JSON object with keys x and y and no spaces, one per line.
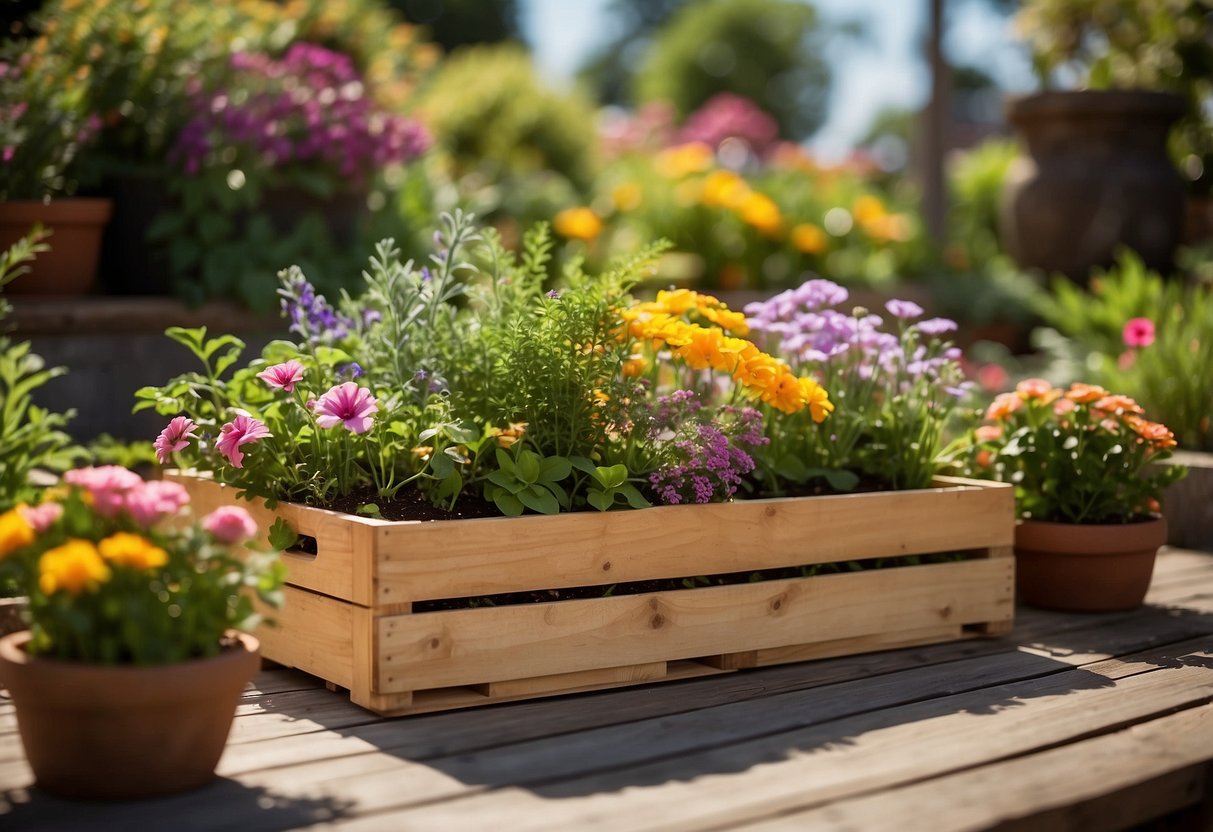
{"x":456,"y":23}
{"x":1172,"y":377}
{"x":31,"y":438}
{"x":113,"y":590}
{"x":490,"y":111}
{"x":766,"y":50}
{"x":609,"y":485}
{"x":524,"y":479}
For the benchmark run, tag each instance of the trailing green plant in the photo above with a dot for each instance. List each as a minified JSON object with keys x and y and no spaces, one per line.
{"x":32,"y":438}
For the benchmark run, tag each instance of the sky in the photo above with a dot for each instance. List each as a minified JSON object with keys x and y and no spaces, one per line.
{"x":886,"y":71}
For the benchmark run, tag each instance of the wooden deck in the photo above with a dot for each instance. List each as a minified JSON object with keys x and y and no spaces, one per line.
{"x":1070,"y":722}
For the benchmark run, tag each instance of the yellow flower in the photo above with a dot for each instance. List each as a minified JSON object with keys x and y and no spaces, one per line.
{"x":725,"y":189}
{"x":809,"y":238}
{"x":15,"y":532}
{"x":762,"y":213}
{"x":74,"y":567}
{"x":578,"y":224}
{"x":726,"y":319}
{"x":816,"y":398}
{"x":506,"y":437}
{"x":135,"y":551}
{"x":868,"y":209}
{"x":634,"y":367}
{"x":684,"y":159}
{"x":627,"y":196}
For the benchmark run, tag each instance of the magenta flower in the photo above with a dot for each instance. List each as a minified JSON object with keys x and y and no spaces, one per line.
{"x":230,"y":524}
{"x":174,"y":438}
{"x":154,"y":501}
{"x":347,"y":404}
{"x":240,"y":431}
{"x":107,"y":485}
{"x":41,"y":517}
{"x":283,"y":376}
{"x":1138,"y":332}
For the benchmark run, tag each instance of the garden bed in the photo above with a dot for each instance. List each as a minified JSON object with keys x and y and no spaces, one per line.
{"x":349,"y":616}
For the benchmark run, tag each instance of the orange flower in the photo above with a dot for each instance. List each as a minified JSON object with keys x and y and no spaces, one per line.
{"x":816,"y":398}
{"x":724,"y":189}
{"x":1156,"y":434}
{"x":634,"y":367}
{"x":684,"y":159}
{"x":761,"y":212}
{"x":988,"y":433}
{"x":809,"y":238}
{"x":1004,"y":405}
{"x":984,"y":458}
{"x":1085,"y":393}
{"x":577,"y":224}
{"x":1037,"y":389}
{"x":1117,"y":403}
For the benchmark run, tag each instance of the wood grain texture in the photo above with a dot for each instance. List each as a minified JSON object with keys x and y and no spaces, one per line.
{"x":486,"y":644}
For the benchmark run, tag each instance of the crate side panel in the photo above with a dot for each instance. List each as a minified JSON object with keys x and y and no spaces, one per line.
{"x":487,"y":644}
{"x":315,"y":634}
{"x":484,"y":557}
{"x":343,"y":566}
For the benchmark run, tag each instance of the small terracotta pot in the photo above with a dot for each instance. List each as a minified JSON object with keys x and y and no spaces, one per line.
{"x":119,"y":732}
{"x":1078,"y":568}
{"x":76,"y":225}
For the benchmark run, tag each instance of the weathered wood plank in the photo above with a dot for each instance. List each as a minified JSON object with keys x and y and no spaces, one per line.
{"x":737,"y":782}
{"x":1110,"y":782}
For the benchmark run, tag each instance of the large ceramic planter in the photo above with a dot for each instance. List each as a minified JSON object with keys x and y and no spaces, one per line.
{"x":366,"y":609}
{"x":118,"y":732}
{"x":1079,"y":568}
{"x":1097,"y":177}
{"x":70,"y":267}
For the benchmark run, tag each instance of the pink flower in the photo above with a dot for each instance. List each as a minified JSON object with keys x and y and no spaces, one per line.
{"x":348,"y":404}
{"x":107,"y":484}
{"x":174,"y":438}
{"x":240,"y":431}
{"x":284,"y":376}
{"x":41,"y":517}
{"x":230,"y":524}
{"x":154,"y":501}
{"x":1138,"y":332}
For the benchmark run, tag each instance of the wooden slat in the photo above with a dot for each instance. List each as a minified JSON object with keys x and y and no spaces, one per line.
{"x":314,"y":633}
{"x":562,"y":682}
{"x":464,"y":647}
{"x":841,"y":647}
{"x":1110,"y":782}
{"x":482,"y":557}
{"x":343,"y":567}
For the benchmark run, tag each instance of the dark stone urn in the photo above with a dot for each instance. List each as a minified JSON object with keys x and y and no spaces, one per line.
{"x":1097,"y":177}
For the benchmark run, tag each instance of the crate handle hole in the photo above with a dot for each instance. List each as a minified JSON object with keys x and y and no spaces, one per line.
{"x":305,"y":547}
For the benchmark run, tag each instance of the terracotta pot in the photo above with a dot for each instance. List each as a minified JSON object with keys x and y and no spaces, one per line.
{"x":1078,"y":568}
{"x":118,"y":732}
{"x":70,"y":267}
{"x":1097,"y":177}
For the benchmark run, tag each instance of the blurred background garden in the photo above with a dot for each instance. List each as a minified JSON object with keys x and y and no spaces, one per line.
{"x":1038,"y":170}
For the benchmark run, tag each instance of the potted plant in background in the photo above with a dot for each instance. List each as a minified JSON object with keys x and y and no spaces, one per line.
{"x":1099,"y":174}
{"x":1152,"y":337}
{"x":42,"y":128}
{"x":127,"y":681}
{"x":1086,"y":495}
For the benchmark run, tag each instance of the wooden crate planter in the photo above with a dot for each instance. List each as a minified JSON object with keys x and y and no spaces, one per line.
{"x":349,"y":615}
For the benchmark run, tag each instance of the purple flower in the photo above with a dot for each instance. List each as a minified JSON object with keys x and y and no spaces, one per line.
{"x":936,"y":326}
{"x":904,"y":309}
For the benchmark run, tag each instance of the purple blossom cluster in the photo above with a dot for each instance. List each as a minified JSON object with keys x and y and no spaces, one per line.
{"x":808,"y":330}
{"x":311,"y":107}
{"x":311,"y":316}
{"x":730,"y":116}
{"x":709,"y":461}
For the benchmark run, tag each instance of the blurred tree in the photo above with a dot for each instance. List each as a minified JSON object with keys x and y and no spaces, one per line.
{"x":609,"y":71}
{"x":769,"y":51}
{"x":455,"y":23}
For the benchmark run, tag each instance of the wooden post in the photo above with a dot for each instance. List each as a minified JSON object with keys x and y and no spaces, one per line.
{"x":935,"y":128}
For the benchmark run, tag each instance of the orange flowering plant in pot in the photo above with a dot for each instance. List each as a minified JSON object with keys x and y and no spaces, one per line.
{"x":1086,"y":494}
{"x":126,"y":683}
